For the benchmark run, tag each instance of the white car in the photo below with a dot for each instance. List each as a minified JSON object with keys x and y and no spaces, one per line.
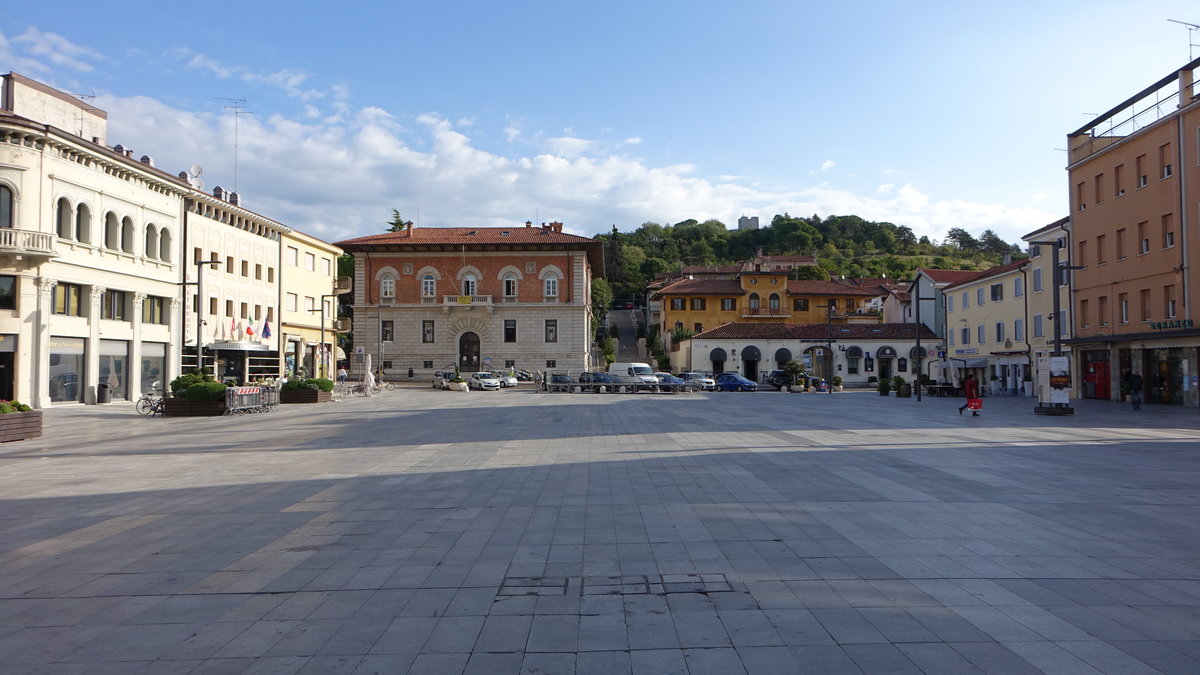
{"x":483,"y":380}
{"x":699,"y":380}
{"x":506,"y":379}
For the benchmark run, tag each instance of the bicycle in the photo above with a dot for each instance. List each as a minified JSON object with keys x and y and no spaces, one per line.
{"x":150,"y":405}
{"x":381,"y":386}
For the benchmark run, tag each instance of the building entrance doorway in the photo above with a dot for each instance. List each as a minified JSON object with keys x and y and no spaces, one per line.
{"x":7,"y":364}
{"x":468,"y":351}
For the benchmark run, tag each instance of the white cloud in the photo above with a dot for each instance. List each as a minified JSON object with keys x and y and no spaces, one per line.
{"x":827,"y":165}
{"x":340,"y":177}
{"x":632,"y":141}
{"x":58,"y":50}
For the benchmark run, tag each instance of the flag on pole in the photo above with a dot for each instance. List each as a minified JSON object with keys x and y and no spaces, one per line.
{"x":266,"y":331}
{"x":232,"y":328}
{"x":250,"y":328}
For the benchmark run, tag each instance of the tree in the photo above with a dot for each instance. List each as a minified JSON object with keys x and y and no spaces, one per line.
{"x":809,"y":273}
{"x":602,"y":298}
{"x":962,"y":239}
{"x":398,"y":222}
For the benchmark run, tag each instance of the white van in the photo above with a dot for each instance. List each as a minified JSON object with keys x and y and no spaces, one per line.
{"x":640,"y":370}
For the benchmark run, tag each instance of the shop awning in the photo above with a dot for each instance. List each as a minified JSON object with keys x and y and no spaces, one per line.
{"x":885,"y":353}
{"x":854,"y":353}
{"x":972,"y":362}
{"x":783,"y":355}
{"x":751,"y":354}
{"x":717,"y":354}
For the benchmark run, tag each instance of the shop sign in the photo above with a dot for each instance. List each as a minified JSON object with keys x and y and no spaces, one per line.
{"x":1175,"y":323}
{"x":970,"y":351}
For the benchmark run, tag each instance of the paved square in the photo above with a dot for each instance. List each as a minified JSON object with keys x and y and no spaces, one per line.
{"x":514,"y":532}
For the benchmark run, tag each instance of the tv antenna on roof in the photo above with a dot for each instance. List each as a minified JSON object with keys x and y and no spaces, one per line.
{"x":238,"y":106}
{"x":1192,"y":28}
{"x":84,"y":98}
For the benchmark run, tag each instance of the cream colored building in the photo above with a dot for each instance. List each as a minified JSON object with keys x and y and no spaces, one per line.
{"x":308,"y":295}
{"x":240,"y":293}
{"x":1040,"y":313}
{"x":89,"y":260}
{"x":986,"y":328}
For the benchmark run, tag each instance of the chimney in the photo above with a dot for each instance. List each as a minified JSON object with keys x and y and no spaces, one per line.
{"x":235,"y":199}
{"x":529,"y":223}
{"x":147,"y":160}
{"x":183,"y":176}
{"x":1006,"y":259}
{"x":408,"y":227}
{"x":219,"y":192}
{"x":556,"y":226}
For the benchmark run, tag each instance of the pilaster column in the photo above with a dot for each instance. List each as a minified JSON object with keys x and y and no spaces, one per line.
{"x":133,"y":388}
{"x":39,"y":340}
{"x":92,"y":349}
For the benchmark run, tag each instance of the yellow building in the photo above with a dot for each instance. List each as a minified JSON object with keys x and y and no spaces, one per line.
{"x":985,"y":327}
{"x":761,"y":296}
{"x":1041,"y":293}
{"x":308,"y":290}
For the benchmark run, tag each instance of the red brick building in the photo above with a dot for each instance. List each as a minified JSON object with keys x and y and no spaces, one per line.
{"x":481,"y":298}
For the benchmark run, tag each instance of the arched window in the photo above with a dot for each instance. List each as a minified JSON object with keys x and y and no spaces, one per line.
{"x":773,"y":301}
{"x":112,"y":231}
{"x":387,"y":286}
{"x":428,"y":286}
{"x":127,"y":234}
{"x":83,"y":224}
{"x":151,"y":242}
{"x":6,"y":206}
{"x":754,"y":302}
{"x":510,"y":285}
{"x":63,"y":218}
{"x":469,"y":285}
{"x":164,"y":245}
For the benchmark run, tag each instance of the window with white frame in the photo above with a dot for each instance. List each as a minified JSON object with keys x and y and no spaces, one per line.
{"x":290,"y":302}
{"x":979,"y":296}
{"x":310,"y":262}
{"x":1037,"y":326}
{"x":1019,"y":329}
{"x":469,"y":284}
{"x":966,"y":300}
{"x":1037,"y":280}
{"x":551,"y":287}
{"x":1018,"y":287}
{"x":981,"y":334}
{"x":949,"y":303}
{"x":999,"y":331}
{"x":292,"y":255}
{"x":428,"y":286}
{"x":387,"y":286}
{"x":510,"y":285}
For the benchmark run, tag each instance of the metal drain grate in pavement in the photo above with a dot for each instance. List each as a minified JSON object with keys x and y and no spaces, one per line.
{"x":630,"y":584}
{"x":695,"y":583}
{"x":533,"y":586}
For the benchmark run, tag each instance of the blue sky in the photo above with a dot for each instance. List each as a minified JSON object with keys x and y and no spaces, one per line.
{"x":931,"y":115}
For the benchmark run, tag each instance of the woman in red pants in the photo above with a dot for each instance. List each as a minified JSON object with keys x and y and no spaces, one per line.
{"x":970,"y":391}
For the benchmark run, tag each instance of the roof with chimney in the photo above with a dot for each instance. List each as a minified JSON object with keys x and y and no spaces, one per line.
{"x":946,"y":276}
{"x":544,"y":237}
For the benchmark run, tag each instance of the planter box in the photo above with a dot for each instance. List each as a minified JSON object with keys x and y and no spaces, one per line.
{"x":457,"y":386}
{"x":181,"y":407}
{"x":305,"y":396}
{"x":20,"y":426}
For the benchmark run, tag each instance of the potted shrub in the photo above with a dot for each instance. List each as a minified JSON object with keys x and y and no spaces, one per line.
{"x":309,"y":390}
{"x":195,"y":394}
{"x":836,"y":380}
{"x":884,"y":386}
{"x":456,"y":383}
{"x":18,"y":422}
{"x":903,"y":389}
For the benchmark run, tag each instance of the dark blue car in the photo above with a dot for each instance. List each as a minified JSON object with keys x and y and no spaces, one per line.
{"x":734,"y":382}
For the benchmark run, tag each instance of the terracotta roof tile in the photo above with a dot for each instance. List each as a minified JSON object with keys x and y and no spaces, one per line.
{"x":467,"y":235}
{"x":947,"y":276}
{"x":809,"y":287}
{"x":998,"y":269}
{"x":703,"y":287}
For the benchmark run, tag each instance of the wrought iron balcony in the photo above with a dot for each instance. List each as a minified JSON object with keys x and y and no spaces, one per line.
{"x":21,"y":243}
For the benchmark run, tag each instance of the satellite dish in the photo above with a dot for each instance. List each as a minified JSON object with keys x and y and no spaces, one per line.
{"x":196,"y":170}
{"x":193,"y":176}
{"x":197,"y":183}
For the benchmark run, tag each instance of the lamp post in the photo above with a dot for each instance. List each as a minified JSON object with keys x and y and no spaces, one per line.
{"x":829,"y":342}
{"x":320,"y":355}
{"x":199,"y":283}
{"x":1056,"y":408}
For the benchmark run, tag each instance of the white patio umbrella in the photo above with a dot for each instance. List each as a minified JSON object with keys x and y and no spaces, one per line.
{"x":368,"y":377}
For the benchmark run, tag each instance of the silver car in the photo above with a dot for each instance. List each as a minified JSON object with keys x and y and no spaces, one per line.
{"x":506,"y":379}
{"x":699,"y":380}
{"x":483,"y":380}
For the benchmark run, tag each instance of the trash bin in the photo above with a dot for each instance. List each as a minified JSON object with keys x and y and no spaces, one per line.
{"x":103,"y":395}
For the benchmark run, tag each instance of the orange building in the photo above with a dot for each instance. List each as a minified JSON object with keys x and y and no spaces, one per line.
{"x":1135,"y":189}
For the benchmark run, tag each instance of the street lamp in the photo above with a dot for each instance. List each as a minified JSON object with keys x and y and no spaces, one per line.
{"x":1056,"y":408}
{"x":829,"y":342}
{"x":321,"y":356}
{"x":199,"y":284}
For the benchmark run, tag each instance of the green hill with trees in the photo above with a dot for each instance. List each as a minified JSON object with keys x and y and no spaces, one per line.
{"x":846,"y":246}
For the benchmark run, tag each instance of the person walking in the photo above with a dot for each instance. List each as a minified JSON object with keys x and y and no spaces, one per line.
{"x":970,"y":391}
{"x":1135,"y":390}
{"x":342,"y":375}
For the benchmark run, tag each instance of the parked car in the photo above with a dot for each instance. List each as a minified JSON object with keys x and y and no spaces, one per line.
{"x":442,"y":377}
{"x":779,"y":379}
{"x":734,"y":382}
{"x":483,"y":380}
{"x":560,"y":382}
{"x":701,"y":380}
{"x":669,"y":383}
{"x":593,"y":381}
{"x":506,"y":379}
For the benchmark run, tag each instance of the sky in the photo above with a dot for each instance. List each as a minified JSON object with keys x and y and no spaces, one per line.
{"x":931,"y":115}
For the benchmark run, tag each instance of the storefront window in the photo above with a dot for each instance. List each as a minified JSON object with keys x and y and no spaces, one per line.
{"x":114,"y":367}
{"x":1164,"y":375}
{"x":8,"y":292}
{"x":66,"y":369}
{"x":153,"y":362}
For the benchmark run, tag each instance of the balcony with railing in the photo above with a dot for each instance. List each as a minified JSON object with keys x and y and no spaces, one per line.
{"x":761,"y":312}
{"x":22,"y":243}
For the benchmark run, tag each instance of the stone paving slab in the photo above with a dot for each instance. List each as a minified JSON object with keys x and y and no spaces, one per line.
{"x":422,"y":531}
